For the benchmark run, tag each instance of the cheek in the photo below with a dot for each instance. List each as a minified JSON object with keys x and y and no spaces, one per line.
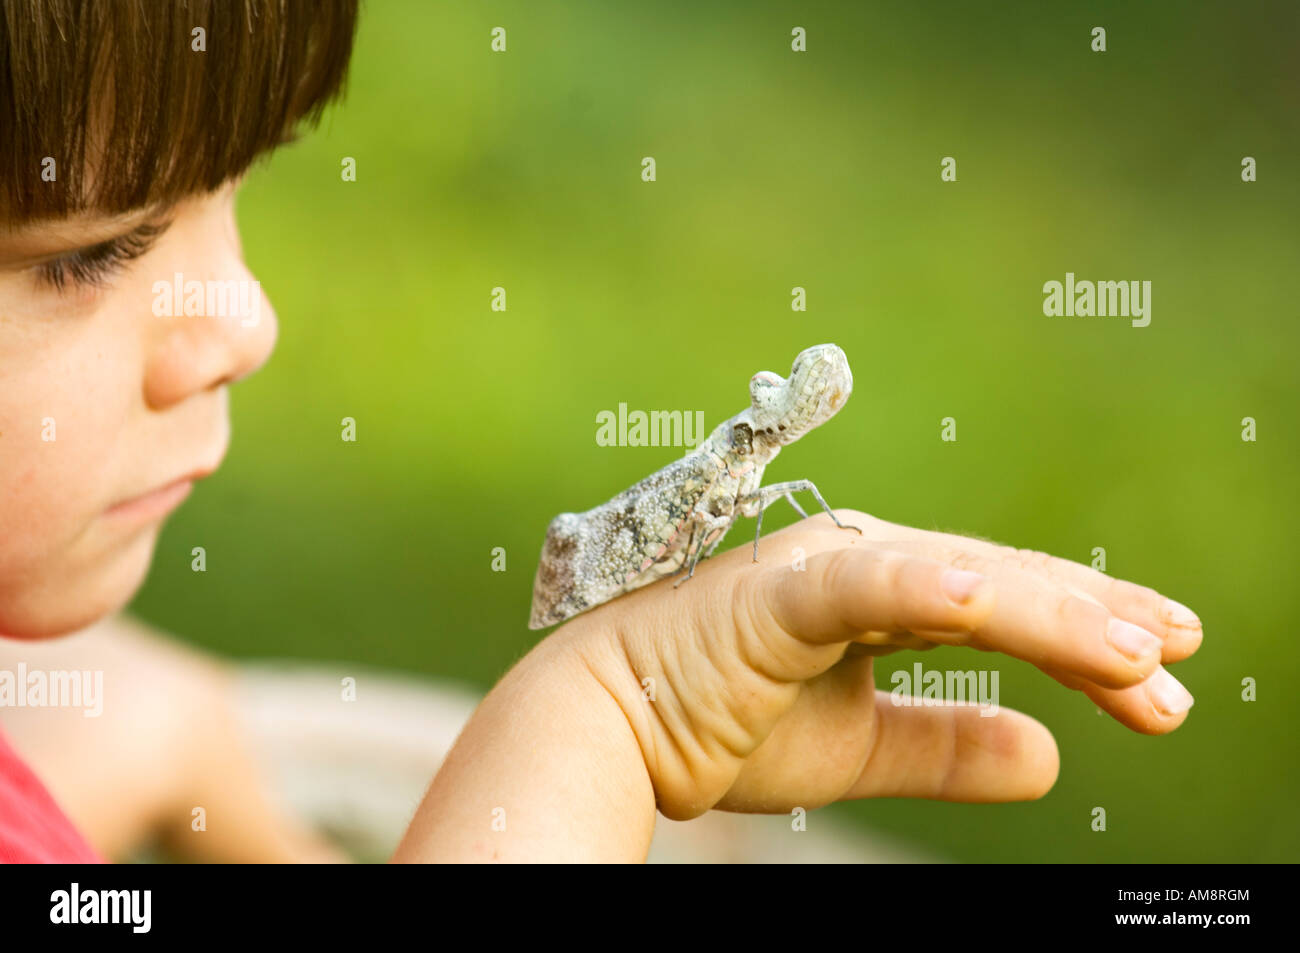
{"x":64,"y":403}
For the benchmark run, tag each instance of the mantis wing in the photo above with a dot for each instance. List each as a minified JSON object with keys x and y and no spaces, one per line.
{"x":637,"y":537}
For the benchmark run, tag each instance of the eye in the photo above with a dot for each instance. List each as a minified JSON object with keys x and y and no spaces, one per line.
{"x":93,"y":266}
{"x":742,"y":438}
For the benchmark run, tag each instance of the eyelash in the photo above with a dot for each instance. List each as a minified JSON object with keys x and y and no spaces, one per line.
{"x":92,"y":267}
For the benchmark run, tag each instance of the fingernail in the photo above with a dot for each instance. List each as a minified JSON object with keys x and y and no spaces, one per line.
{"x":1179,"y":614}
{"x":1168,"y":695}
{"x":960,"y":585}
{"x":1131,"y":640}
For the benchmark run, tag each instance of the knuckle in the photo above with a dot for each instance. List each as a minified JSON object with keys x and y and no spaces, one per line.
{"x":1079,"y":616}
{"x":759,"y":629}
{"x":756,"y":619}
{"x":751,"y":601}
{"x":878,"y":571}
{"x":841,"y":569}
{"x":961,"y":559}
{"x":1031,"y":560}
{"x":892,"y":572}
{"x":850,"y":516}
{"x":1131,"y":592}
{"x":889,"y":568}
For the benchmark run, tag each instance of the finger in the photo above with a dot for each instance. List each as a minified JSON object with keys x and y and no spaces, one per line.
{"x":1047,"y":624}
{"x":952,"y":753}
{"x":1033,"y":617}
{"x":1155,"y":706}
{"x":1178,"y":626}
{"x":1175,"y":624}
{"x":844,"y":593}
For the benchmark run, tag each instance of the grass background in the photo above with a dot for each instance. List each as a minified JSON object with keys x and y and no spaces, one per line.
{"x":777,"y":169}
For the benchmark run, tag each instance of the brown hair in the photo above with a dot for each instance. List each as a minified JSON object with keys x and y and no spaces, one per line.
{"x":133,"y":116}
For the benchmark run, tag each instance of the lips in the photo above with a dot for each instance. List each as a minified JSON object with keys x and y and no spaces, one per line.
{"x":157,"y":502}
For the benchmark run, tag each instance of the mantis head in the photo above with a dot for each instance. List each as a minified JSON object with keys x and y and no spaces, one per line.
{"x":783,"y":409}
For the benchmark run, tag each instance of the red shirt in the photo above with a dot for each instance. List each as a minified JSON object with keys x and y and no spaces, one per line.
{"x":32,"y":828}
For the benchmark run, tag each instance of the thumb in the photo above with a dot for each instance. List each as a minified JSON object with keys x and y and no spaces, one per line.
{"x":953,"y":753}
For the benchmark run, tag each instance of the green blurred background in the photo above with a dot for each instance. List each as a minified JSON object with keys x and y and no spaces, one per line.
{"x":777,"y":169}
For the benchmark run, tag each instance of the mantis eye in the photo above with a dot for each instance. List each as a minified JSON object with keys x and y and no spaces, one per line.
{"x":763,"y":387}
{"x":742,"y":439}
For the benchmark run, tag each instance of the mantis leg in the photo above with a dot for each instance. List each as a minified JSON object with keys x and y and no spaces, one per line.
{"x":689,"y":544}
{"x":714,"y":545}
{"x":765,"y":496}
{"x":695,"y":551}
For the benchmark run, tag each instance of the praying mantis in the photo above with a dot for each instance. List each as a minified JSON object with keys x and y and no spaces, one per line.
{"x":678,"y":515}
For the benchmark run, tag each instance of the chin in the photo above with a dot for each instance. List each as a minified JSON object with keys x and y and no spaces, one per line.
{"x":64,"y":601}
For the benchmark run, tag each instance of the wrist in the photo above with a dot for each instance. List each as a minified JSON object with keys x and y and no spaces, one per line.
{"x":547,"y":769}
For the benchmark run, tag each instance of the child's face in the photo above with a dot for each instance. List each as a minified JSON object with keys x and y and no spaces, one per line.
{"x":108,"y":410}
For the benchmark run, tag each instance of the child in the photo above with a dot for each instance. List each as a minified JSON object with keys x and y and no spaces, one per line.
{"x":123,"y":130}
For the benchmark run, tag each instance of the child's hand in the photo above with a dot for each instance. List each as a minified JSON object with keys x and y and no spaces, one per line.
{"x":763,"y":697}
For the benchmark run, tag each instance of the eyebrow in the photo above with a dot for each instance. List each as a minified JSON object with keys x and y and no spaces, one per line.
{"x":115,"y":229}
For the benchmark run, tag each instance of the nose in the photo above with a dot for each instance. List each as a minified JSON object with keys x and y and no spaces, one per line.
{"x":194,"y":352}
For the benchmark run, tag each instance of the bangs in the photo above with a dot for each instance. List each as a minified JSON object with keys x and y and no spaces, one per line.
{"x":133,"y":115}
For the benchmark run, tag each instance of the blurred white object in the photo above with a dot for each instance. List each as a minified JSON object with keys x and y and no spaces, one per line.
{"x":357,"y":769}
